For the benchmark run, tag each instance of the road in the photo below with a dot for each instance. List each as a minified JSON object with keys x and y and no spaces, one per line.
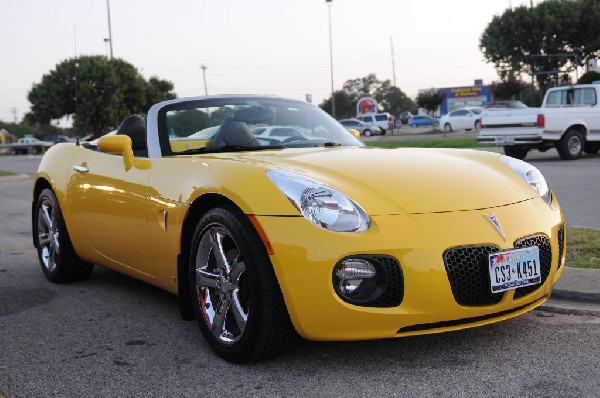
{"x":114,"y":336}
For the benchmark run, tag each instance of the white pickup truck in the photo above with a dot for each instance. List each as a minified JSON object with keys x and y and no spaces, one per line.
{"x":569,"y":119}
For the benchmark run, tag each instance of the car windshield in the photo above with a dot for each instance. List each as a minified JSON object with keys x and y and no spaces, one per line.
{"x":249,"y":123}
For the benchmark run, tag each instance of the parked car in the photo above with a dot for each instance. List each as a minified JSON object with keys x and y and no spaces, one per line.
{"x":382,"y":120}
{"x":57,"y":138}
{"x":362,"y":127}
{"x":568,"y":120}
{"x":461,"y":119}
{"x":404,"y":116}
{"x":511,"y":104}
{"x":263,"y":239}
{"x":422,"y":120}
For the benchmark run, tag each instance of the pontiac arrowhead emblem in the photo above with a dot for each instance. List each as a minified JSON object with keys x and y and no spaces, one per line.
{"x":496,"y":224}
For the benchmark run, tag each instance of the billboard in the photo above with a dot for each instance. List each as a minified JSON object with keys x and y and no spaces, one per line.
{"x":459,"y":97}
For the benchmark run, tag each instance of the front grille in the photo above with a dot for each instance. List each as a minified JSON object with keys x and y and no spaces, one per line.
{"x":463,"y":321}
{"x":543,"y":243}
{"x":561,"y":244}
{"x":469,"y":275}
{"x":394,"y":292}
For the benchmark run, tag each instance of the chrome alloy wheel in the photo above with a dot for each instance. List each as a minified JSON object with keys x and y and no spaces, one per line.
{"x":222,"y":285}
{"x":575,"y":145}
{"x":48,"y":234}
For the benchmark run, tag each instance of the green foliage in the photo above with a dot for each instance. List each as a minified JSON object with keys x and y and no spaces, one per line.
{"x":95,"y":92}
{"x":589,"y":77}
{"x":430,"y":143}
{"x":583,"y":248}
{"x":217,"y":117}
{"x":24,"y":128}
{"x":551,"y":27}
{"x":390,"y":97}
{"x":345,"y":105}
{"x":509,"y":89}
{"x":431,"y":99}
{"x":184,"y":123}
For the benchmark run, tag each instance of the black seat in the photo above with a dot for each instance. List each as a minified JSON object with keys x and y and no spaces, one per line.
{"x":233,"y":132}
{"x":134,"y":127}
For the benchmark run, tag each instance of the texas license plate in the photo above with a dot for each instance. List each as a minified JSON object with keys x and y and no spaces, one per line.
{"x":514,"y":268}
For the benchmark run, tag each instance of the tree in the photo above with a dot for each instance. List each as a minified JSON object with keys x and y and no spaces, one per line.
{"x":589,"y":77}
{"x":508,"y":89}
{"x":389,"y":97}
{"x":345,"y":105}
{"x":431,"y":99}
{"x":95,"y":92}
{"x":515,"y":40}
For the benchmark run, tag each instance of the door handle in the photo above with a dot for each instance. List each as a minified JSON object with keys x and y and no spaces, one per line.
{"x":81,"y":169}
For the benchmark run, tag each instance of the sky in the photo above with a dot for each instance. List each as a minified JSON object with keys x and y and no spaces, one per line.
{"x":278,"y":47}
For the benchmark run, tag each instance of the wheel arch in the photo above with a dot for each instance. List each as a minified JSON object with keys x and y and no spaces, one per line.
{"x":580,"y":126}
{"x":40,"y":184}
{"x":197,"y":209}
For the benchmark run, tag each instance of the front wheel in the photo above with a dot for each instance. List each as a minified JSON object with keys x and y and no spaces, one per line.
{"x":368,"y":133}
{"x":235,"y":293}
{"x":570,"y":145}
{"x":515,"y":151}
{"x":447,"y":127}
{"x":57,"y":257}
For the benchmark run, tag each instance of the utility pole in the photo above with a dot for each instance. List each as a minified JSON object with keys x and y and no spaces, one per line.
{"x":110,"y":41}
{"x":14,"y":112}
{"x":331,"y":61}
{"x":204,"y":68}
{"x":393,"y":61}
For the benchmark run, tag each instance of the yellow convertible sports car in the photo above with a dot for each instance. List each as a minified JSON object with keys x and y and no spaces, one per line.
{"x":303,"y":230}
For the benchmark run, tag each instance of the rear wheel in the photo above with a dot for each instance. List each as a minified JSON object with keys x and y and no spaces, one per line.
{"x":570,"y":145}
{"x":235,"y":293}
{"x":57,"y":257}
{"x":516,"y":151}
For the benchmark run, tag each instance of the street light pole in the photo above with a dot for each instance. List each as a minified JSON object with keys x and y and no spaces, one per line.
{"x":109,"y":30}
{"x":331,"y":61}
{"x":204,"y":67}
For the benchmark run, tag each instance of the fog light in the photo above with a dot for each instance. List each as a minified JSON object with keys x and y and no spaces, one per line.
{"x":355,"y":278}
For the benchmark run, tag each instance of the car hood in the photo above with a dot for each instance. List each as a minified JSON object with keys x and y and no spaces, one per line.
{"x":400,"y":181}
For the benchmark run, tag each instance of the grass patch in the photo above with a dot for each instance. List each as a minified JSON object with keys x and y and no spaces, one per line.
{"x":583,"y":248}
{"x":431,"y":143}
{"x":4,"y":173}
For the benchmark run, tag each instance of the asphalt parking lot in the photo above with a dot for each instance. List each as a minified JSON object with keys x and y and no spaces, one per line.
{"x":112,"y":335}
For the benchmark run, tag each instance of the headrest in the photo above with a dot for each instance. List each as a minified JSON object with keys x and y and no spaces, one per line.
{"x":254,"y":115}
{"x":134,"y":127}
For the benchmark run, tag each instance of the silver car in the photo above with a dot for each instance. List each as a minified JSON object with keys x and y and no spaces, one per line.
{"x":362,"y":127}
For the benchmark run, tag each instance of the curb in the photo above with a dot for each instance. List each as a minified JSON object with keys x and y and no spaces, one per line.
{"x":558,"y":309}
{"x":576,"y":295}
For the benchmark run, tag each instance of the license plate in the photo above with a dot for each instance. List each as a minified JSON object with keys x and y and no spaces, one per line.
{"x":505,"y":139}
{"x":514,"y":268}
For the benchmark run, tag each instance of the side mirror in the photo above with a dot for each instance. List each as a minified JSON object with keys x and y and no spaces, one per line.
{"x":118,"y":145}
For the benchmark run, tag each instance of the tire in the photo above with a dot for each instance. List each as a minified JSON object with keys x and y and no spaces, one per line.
{"x":591,"y":147}
{"x":413,"y":125}
{"x":570,"y":145}
{"x":383,"y":131}
{"x":447,"y":127}
{"x":516,"y":151}
{"x":248,"y":320}
{"x":367,"y":133}
{"x":57,"y":257}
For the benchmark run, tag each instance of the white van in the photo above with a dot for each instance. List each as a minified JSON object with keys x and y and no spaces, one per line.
{"x":382,"y":120}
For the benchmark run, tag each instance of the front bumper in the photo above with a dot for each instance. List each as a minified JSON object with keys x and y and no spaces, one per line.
{"x":304,"y":257}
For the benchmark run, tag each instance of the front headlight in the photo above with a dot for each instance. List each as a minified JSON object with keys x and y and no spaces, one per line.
{"x":530,"y":174}
{"x":320,"y":204}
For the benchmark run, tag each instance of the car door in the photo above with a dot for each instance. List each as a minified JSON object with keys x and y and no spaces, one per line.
{"x":108,"y":207}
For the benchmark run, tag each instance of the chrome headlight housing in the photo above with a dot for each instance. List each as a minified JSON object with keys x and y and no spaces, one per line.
{"x":321,"y":204}
{"x":531,"y":174}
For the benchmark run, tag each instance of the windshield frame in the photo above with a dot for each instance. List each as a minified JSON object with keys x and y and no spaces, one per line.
{"x":158,"y":113}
